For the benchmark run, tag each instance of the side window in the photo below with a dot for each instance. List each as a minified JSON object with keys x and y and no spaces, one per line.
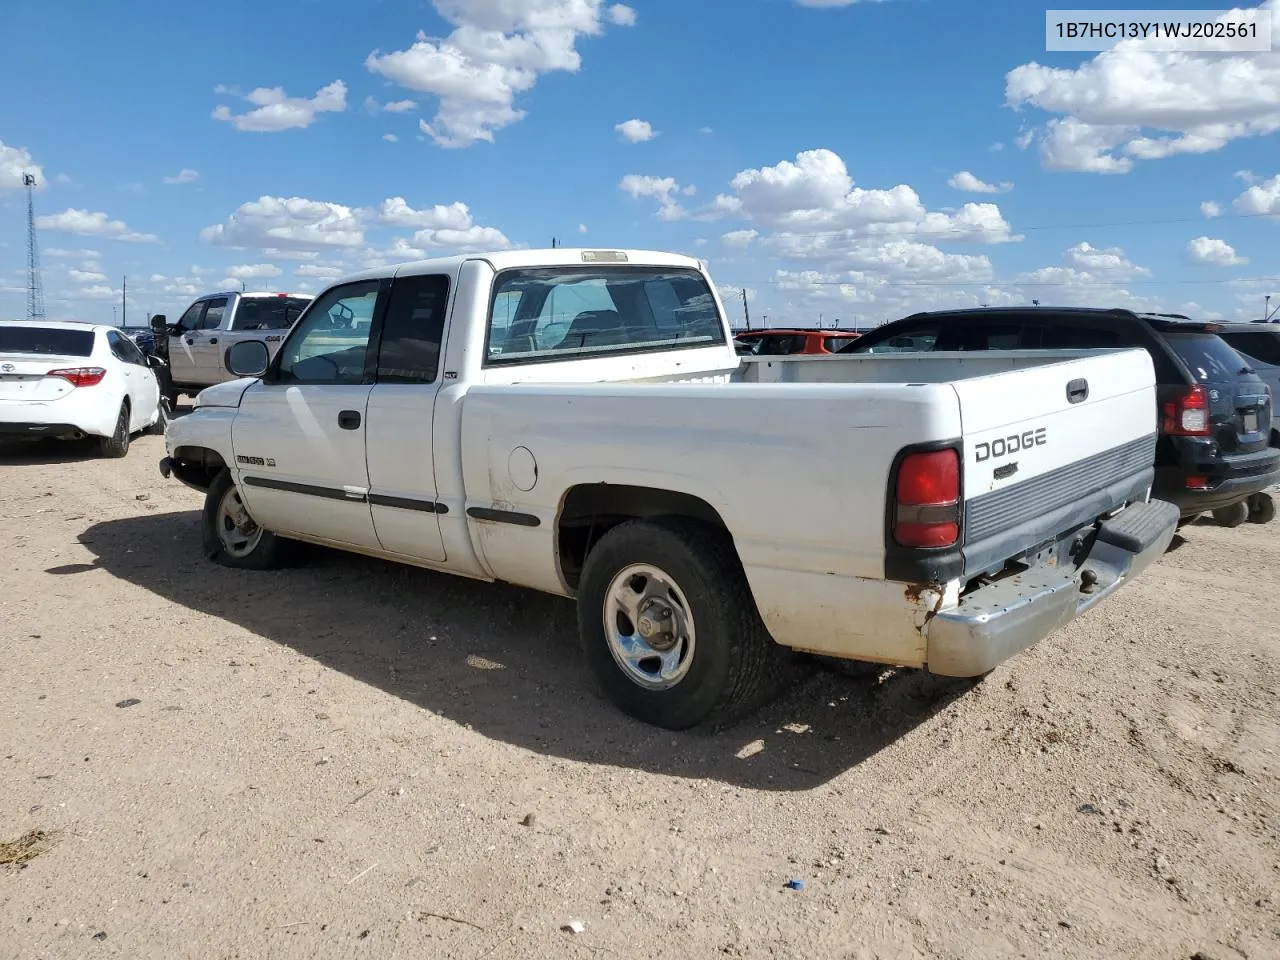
{"x":114,"y":341}
{"x":330,"y":343}
{"x":266,"y":313}
{"x":981,"y":335}
{"x":913,"y":340}
{"x":191,"y":319}
{"x":1264,"y":347}
{"x":1072,"y":337}
{"x":131,"y":352}
{"x":412,"y":330}
{"x":214,"y":310}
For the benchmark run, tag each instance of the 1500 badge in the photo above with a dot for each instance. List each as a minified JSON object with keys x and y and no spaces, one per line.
{"x":255,"y":461}
{"x":1007,"y":446}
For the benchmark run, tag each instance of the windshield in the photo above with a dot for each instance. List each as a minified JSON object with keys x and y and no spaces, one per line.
{"x":46,"y":341}
{"x":268,"y":313}
{"x":1208,"y":358}
{"x":569,"y":312}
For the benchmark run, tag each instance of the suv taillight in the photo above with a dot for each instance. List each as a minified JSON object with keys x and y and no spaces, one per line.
{"x":927,"y":499}
{"x":1187,"y":414}
{"x":80,"y":376}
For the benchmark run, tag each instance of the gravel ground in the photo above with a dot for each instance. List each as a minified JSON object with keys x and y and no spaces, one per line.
{"x":357,"y":759}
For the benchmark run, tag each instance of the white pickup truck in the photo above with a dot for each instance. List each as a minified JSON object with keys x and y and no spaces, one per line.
{"x":578,"y":422}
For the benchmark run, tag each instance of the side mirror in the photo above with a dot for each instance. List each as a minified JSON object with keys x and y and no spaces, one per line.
{"x":248,"y":358}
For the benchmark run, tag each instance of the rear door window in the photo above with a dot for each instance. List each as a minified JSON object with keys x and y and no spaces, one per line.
{"x":46,"y":341}
{"x":1078,"y":337}
{"x":984,"y":335}
{"x":1263,"y":346}
{"x":213,"y":314}
{"x":267,"y":313}
{"x":1206,"y":356}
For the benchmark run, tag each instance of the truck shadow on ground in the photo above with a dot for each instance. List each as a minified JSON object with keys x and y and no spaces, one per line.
{"x":505,"y":661}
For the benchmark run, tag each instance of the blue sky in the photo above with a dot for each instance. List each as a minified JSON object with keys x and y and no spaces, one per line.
{"x":852,"y":160}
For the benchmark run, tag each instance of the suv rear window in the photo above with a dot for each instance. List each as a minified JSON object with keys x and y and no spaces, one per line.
{"x":46,"y":341}
{"x":1209,"y":359}
{"x":268,"y":313}
{"x":1263,"y":346}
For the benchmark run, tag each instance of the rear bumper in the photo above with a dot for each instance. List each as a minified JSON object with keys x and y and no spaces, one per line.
{"x":1234,"y":479}
{"x":995,"y":622}
{"x":40,"y":431}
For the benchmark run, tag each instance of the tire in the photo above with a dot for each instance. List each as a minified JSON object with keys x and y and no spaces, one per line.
{"x":723,"y":667}
{"x":1233,"y":515}
{"x":117,"y":445}
{"x":231,"y":545}
{"x":1262,"y":508}
{"x":163,"y":416}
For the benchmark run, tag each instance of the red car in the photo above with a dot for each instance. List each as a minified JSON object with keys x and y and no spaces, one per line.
{"x":782,"y":342}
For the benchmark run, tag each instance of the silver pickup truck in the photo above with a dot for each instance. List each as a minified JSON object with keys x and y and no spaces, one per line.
{"x":194,"y":345}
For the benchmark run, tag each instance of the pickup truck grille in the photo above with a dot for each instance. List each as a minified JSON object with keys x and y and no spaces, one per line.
{"x":1004,"y":510}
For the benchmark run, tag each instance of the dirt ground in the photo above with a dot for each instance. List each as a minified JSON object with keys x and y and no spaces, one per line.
{"x":355,"y":759}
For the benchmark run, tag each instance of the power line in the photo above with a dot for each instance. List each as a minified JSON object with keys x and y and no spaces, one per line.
{"x":1012,"y":282}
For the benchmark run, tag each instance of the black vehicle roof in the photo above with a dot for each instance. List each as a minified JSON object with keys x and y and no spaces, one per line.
{"x":1161,"y":321}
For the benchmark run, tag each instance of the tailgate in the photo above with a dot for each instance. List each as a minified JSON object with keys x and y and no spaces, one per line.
{"x":1052,"y":447}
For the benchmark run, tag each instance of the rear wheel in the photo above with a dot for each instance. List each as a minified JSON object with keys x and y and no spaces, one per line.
{"x":669,"y":627}
{"x":117,"y":445}
{"x":1233,"y":515}
{"x":1262,"y":508}
{"x":230,"y":535}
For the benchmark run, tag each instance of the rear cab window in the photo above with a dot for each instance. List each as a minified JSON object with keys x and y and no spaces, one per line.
{"x":267,"y":313}
{"x":46,"y":341}
{"x":571,"y":313}
{"x":1206,"y":356}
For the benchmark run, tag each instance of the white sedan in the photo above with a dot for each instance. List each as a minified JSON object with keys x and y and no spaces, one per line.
{"x":75,"y":380}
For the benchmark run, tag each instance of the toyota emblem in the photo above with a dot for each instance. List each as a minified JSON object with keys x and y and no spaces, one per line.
{"x":6,"y":367}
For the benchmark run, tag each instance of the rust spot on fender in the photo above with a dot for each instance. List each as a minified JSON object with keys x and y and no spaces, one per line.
{"x":930,"y":595}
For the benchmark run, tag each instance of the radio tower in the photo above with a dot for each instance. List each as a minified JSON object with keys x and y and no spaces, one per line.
{"x":35,"y":287}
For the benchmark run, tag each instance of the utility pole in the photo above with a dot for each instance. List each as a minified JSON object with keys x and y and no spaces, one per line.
{"x":124,"y":302}
{"x":35,"y":285}
{"x":1266,"y":308}
{"x":553,"y":243}
{"x":746,"y":311}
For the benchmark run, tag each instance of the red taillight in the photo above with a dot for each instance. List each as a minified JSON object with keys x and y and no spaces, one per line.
{"x":1199,"y":483}
{"x":927,"y":494}
{"x":80,"y":376}
{"x":1186,"y":415}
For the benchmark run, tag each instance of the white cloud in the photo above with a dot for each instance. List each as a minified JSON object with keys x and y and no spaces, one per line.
{"x":86,"y":276}
{"x":185,"y":175}
{"x":61,"y":254}
{"x":276,"y":111}
{"x":96,"y":292}
{"x":1248,"y":176}
{"x":582,"y":228}
{"x":1263,"y":198}
{"x":254,"y":271}
{"x":288,"y":223}
{"x":390,"y":138}
{"x":964,"y":180}
{"x":1132,"y":103}
{"x":622,"y":15}
{"x":635,"y":131}
{"x":1211,"y":209}
{"x":662,"y":189}
{"x":1214,"y":252}
{"x":996,"y":147}
{"x":816,"y":193}
{"x":317,"y":271}
{"x":396,"y":211}
{"x":1109,"y":262}
{"x":88,"y":224}
{"x":498,"y":50}
{"x":400,"y":106}
{"x":739,"y":238}
{"x":706,"y":131}
{"x":14,"y":162}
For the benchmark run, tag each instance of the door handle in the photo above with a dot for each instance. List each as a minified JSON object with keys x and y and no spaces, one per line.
{"x":189,"y":341}
{"x":1077,"y":390}
{"x":213,"y":339}
{"x":349,"y":420}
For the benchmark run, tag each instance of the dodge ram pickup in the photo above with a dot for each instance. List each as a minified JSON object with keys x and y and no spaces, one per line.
{"x":578,"y":422}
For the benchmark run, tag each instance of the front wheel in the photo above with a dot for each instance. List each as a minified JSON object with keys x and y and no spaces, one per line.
{"x":669,"y":626}
{"x":1262,"y":508}
{"x":230,"y":535}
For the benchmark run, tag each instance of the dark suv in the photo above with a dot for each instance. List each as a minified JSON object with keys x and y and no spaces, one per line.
{"x":1213,"y":452}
